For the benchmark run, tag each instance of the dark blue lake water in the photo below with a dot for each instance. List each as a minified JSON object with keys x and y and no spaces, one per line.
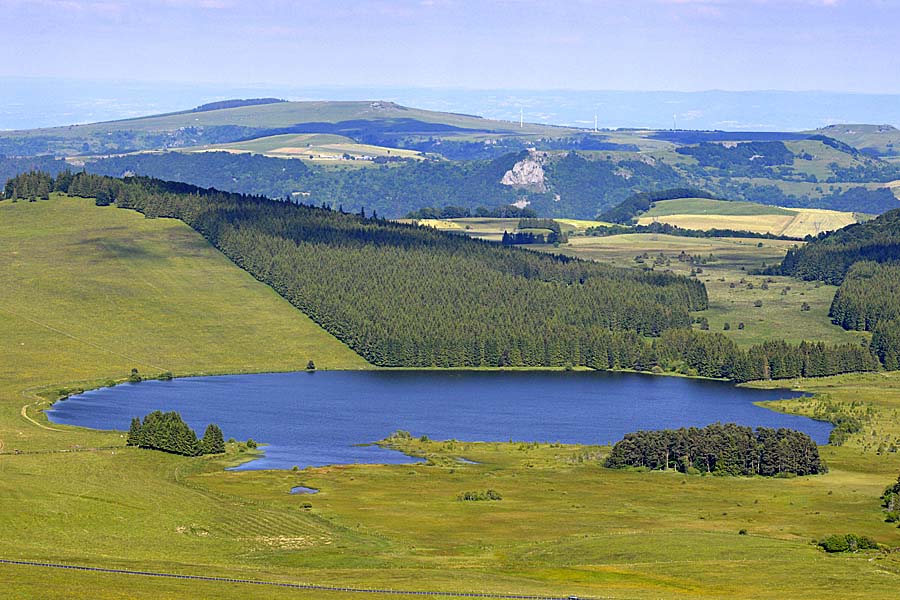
{"x":313,"y":419}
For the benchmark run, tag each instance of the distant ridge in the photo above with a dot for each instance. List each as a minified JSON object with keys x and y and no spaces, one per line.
{"x":236,"y":103}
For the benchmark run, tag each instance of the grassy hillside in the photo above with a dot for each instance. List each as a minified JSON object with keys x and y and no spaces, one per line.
{"x":289,"y":114}
{"x":705,"y":206}
{"x":90,"y":293}
{"x":879,"y":139}
{"x":701,"y":213}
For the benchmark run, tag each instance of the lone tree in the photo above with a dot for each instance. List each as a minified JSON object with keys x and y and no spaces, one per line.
{"x":134,"y":433}
{"x":213,"y":441}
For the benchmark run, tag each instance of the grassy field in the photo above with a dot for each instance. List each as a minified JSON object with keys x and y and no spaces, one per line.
{"x":308,"y":146}
{"x":779,"y":317}
{"x":706,"y":206}
{"x":704,"y":214}
{"x":91,"y":292}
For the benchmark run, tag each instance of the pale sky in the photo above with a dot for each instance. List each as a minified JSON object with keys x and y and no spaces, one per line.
{"x":839,"y":45}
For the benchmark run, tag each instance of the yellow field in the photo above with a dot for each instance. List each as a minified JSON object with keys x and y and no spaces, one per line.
{"x":805,"y":221}
{"x":308,"y":146}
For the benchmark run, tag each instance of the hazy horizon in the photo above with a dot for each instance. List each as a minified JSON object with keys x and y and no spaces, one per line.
{"x":47,"y":102}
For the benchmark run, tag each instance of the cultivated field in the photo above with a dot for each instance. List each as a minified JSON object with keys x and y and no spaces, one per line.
{"x":699,"y":213}
{"x":309,"y":146}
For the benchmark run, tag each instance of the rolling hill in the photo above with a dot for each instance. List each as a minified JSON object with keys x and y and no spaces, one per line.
{"x":877,"y":140}
{"x":357,"y":119}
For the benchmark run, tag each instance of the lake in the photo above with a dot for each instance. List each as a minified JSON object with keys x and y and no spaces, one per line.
{"x":328,"y":417}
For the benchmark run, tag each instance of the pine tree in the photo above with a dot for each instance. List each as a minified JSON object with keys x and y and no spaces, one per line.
{"x":134,"y":433}
{"x":213,"y":441}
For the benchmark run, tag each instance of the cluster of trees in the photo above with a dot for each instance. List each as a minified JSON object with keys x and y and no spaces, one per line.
{"x":31,"y":186}
{"x":715,"y":355}
{"x":741,"y":159}
{"x":169,"y":433}
{"x":554,"y":235}
{"x":728,"y":449}
{"x":829,"y":256}
{"x":634,"y":205}
{"x":869,"y":295}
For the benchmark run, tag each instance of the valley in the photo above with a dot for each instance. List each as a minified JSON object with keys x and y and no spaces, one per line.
{"x":179,"y":281}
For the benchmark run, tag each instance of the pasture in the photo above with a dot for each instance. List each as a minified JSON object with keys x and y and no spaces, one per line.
{"x":733,"y":289}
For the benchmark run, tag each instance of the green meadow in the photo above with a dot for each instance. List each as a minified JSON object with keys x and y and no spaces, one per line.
{"x":90,"y":293}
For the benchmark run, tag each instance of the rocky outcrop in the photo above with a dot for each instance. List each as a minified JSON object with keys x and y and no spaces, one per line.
{"x":528,"y":173}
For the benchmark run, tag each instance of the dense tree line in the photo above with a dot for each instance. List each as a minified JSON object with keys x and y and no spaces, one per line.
{"x":715,"y":355}
{"x":626,"y":211}
{"x":669,"y":229}
{"x":830,"y":255}
{"x":728,"y":449}
{"x":169,"y":433}
{"x":869,"y":295}
{"x":30,"y":186}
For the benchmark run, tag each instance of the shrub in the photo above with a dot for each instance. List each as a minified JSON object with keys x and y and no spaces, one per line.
{"x":487,"y":495}
{"x":849,"y":542}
